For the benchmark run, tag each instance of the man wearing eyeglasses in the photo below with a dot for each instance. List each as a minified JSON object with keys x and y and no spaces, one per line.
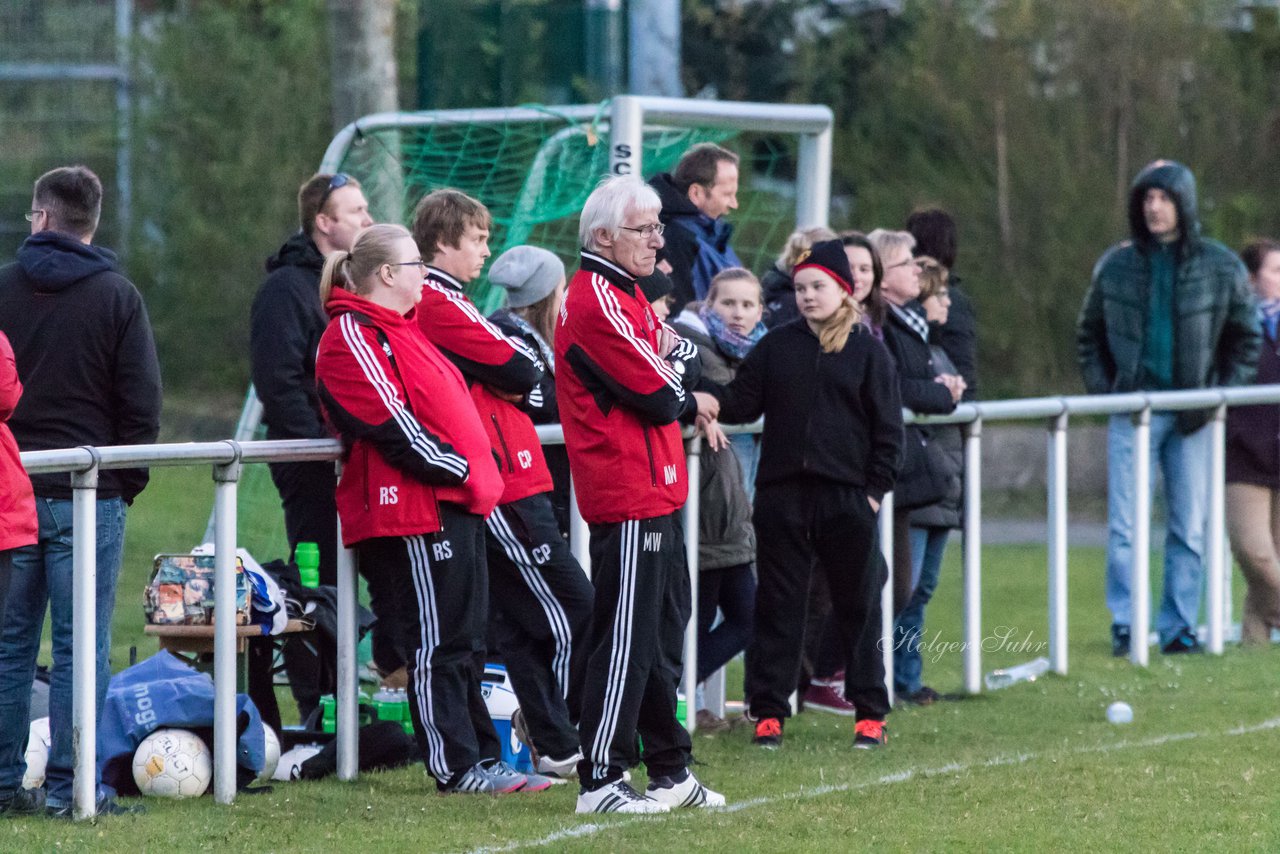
{"x":87,"y":362}
{"x":285,"y":325}
{"x":623,"y":384}
{"x":695,"y":199}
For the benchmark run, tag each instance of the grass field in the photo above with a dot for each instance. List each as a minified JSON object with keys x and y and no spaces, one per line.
{"x":1034,"y":767}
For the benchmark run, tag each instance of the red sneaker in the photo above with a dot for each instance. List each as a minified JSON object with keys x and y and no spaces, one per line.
{"x":869,"y":735}
{"x":827,"y":698}
{"x":769,"y":733}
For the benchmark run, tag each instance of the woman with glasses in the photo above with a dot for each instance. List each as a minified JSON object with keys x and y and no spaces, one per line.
{"x":418,"y":481}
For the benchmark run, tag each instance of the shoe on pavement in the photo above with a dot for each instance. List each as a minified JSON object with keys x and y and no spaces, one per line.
{"x":1183,"y":642}
{"x":827,"y":698}
{"x":478,"y":780}
{"x":618,"y":796}
{"x":683,"y":791}
{"x":869,"y":734}
{"x":709,"y":722}
{"x":23,"y":802}
{"x":769,"y":733}
{"x":104,"y":806}
{"x":1119,"y":641}
{"x":562,"y":769}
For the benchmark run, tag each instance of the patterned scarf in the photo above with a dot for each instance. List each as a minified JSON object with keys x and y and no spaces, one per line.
{"x":907,"y":314}
{"x":1269,"y":314}
{"x":732,"y":344}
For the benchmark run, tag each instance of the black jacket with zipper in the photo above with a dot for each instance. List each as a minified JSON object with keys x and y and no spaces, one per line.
{"x":835,"y":416}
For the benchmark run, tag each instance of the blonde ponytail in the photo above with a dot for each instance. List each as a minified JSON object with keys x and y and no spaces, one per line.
{"x":835,"y":330}
{"x":337,"y":270}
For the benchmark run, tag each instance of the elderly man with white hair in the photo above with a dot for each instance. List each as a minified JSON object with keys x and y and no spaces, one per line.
{"x":624,"y":385}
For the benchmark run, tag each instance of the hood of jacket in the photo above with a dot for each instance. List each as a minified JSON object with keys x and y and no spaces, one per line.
{"x":54,"y":261}
{"x":674,"y":202}
{"x":1176,"y":180}
{"x":341,"y":302}
{"x":298,"y":251}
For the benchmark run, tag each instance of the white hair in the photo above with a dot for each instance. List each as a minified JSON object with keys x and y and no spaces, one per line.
{"x":887,"y":242}
{"x":610,"y":202}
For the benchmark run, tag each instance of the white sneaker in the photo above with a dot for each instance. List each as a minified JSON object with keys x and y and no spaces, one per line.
{"x":619,"y":797}
{"x":563,"y":769}
{"x":290,"y":765}
{"x":683,"y":793}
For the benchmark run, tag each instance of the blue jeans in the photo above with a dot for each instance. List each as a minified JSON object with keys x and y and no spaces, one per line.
{"x":927,"y":546}
{"x":42,"y":576}
{"x":1184,"y":460}
{"x":747,"y":448}
{"x":732,"y":592}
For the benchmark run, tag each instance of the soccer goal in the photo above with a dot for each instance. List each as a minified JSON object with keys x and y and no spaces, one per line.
{"x":534,"y":166}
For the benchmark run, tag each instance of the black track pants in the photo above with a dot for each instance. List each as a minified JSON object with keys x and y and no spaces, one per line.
{"x":799,"y":523}
{"x":642,"y":606}
{"x":436,"y":589}
{"x":544,"y":600}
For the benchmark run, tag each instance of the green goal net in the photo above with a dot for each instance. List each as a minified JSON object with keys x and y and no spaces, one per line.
{"x":533,"y":171}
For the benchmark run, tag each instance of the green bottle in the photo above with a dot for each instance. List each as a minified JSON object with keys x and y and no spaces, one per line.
{"x":307,"y":556}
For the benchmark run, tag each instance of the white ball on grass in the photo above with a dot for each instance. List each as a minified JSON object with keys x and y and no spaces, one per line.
{"x":173,"y":763}
{"x":1120,"y":713}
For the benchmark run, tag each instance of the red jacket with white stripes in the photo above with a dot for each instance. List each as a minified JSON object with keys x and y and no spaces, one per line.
{"x":619,"y":400}
{"x":403,"y":412}
{"x":490,"y":360}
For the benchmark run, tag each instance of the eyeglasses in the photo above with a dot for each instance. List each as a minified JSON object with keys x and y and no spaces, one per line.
{"x":419,"y":263}
{"x":646,"y":231}
{"x":919,"y":264}
{"x":337,"y":182}
{"x":30,"y":216}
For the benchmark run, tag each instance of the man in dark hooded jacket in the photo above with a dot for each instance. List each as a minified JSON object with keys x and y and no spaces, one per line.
{"x":285,"y":325}
{"x":87,"y":361}
{"x":1167,"y":309}
{"x":695,"y":199}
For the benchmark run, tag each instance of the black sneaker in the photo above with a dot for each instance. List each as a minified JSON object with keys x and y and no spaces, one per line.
{"x":105,"y":806}
{"x":1183,"y":642}
{"x":926,"y":696}
{"x":1119,"y":641}
{"x":23,"y":802}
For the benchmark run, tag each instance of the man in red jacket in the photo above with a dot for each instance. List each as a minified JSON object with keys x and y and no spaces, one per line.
{"x":622,"y":384}
{"x":541,"y":598}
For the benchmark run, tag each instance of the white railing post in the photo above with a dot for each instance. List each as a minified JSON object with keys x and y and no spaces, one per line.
{"x":1140,"y":568}
{"x":1216,"y":542}
{"x":225,"y":477}
{"x":579,"y":530}
{"x":973,"y":556}
{"x":885,"y":521}
{"x":1058,"y":543}
{"x":347,"y":712}
{"x":84,"y":639}
{"x":693,"y":464}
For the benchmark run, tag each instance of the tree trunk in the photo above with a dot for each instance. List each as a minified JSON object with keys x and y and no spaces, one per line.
{"x":362,"y":39}
{"x":1002,"y":186}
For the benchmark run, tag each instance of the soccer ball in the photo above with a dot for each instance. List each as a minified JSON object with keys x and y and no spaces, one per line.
{"x":173,"y":763}
{"x":271,"y":753}
{"x":37,"y":753}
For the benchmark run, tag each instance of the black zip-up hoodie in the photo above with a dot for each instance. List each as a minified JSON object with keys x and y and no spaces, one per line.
{"x":285,"y":325}
{"x":835,"y":416}
{"x":86,"y":357}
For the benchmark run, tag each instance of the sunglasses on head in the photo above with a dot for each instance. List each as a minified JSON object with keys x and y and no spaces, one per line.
{"x":337,"y":182}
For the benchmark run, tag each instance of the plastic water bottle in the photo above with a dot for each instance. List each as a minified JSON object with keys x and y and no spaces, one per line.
{"x":307,"y":556}
{"x":387,"y":705}
{"x":1029,"y":672}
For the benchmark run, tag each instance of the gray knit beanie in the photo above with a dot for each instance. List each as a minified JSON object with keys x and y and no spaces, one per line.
{"x":529,"y":274}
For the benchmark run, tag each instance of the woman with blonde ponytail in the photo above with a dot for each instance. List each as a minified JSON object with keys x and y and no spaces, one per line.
{"x":830,"y":451}
{"x":418,"y":482}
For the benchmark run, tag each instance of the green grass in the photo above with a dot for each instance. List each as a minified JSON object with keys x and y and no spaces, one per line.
{"x":1033,"y":767}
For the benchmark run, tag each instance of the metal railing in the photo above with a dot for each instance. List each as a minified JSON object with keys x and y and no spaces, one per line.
{"x":228,"y":457}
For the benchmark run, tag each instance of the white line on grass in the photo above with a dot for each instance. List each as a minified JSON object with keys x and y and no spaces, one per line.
{"x":592,"y":828}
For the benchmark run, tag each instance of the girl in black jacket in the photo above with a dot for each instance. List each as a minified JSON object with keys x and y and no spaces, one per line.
{"x":830,"y":450}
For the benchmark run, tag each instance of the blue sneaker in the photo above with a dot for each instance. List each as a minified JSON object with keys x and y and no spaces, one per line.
{"x":1119,"y":641}
{"x":1183,"y":643}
